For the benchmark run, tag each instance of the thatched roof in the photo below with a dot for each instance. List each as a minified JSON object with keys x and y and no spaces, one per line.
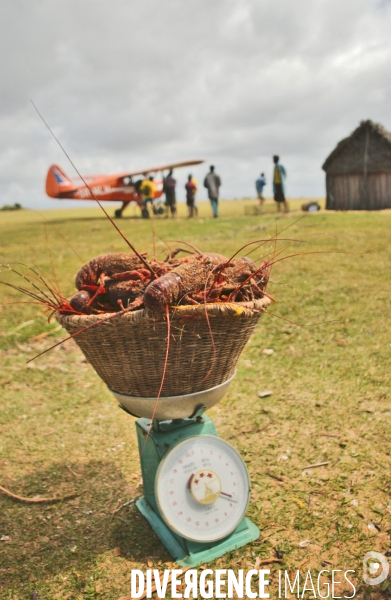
{"x":368,"y":147}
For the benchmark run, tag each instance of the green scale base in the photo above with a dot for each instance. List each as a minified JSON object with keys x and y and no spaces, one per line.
{"x":152,"y":448}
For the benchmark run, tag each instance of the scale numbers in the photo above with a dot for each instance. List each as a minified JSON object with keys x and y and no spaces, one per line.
{"x":202,"y":488}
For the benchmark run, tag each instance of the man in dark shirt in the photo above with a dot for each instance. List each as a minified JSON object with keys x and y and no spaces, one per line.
{"x":169,"y":184}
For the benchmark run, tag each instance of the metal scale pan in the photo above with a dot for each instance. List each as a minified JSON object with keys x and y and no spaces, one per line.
{"x":174,"y":407}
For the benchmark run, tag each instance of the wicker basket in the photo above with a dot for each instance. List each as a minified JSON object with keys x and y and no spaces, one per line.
{"x":128,"y":351}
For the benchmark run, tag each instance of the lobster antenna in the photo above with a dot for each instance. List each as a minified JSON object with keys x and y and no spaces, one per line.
{"x":145,"y":263}
{"x":187,"y":244}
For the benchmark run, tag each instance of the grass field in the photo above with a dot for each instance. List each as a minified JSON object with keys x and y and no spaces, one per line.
{"x":61,"y":431}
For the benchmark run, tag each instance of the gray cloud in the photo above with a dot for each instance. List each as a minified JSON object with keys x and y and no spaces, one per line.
{"x":126,"y":84}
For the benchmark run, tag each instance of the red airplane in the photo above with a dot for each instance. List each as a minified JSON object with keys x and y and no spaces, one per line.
{"x":112,"y":188}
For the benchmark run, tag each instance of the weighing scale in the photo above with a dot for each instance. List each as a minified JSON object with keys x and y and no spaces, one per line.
{"x":196,"y":485}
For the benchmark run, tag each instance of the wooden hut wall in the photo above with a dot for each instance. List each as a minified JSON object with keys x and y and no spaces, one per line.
{"x":354,"y":192}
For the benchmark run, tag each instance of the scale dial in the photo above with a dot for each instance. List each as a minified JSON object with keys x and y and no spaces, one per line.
{"x":202,"y":488}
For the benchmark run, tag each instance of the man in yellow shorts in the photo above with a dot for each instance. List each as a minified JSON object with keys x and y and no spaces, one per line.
{"x":279,"y":175}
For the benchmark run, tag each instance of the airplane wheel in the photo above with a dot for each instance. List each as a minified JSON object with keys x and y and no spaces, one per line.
{"x":145,"y":213}
{"x":158,"y":208}
{"x":118,"y":213}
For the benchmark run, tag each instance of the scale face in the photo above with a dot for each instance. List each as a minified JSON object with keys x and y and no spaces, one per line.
{"x":202,"y":488}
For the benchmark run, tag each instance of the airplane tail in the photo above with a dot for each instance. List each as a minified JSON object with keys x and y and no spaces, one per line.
{"x":57,"y":182}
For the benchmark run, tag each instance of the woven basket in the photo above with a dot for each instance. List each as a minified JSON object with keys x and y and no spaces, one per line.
{"x":128,"y":351}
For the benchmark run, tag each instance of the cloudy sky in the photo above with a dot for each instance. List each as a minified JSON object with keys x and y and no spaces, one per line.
{"x":130,"y":83}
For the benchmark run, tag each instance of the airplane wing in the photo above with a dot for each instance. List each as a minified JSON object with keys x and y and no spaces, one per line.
{"x":59,"y":185}
{"x":177,"y":165}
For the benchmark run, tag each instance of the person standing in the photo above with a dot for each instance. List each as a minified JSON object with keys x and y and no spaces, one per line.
{"x":212,"y":182}
{"x":195,"y":209}
{"x":169,"y":184}
{"x":191,"y":189}
{"x":260,"y":184}
{"x":279,"y":175}
{"x":147,"y":189}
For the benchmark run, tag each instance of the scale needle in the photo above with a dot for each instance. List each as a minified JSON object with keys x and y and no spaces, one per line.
{"x":229,"y":497}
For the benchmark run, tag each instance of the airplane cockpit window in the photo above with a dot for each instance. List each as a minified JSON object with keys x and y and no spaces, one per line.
{"x":127,"y":181}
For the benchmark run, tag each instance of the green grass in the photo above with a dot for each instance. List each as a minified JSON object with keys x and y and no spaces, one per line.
{"x":61,"y":430}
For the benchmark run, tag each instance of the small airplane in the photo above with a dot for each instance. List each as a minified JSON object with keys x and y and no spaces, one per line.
{"x":112,"y":188}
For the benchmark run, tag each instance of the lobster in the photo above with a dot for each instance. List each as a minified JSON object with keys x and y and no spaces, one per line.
{"x":108,"y":281}
{"x":188,"y":277}
{"x":115,"y":265}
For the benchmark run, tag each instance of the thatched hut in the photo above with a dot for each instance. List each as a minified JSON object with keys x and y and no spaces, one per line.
{"x":358,"y":171}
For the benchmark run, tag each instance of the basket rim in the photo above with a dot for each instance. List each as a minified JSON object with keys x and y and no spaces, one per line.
{"x":217,"y":309}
